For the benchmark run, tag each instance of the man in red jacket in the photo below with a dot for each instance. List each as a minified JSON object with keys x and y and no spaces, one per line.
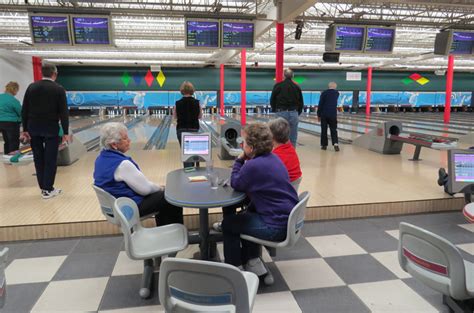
{"x":283,"y":148}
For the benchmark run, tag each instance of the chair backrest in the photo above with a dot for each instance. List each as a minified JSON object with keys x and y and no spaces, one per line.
{"x":3,"y":280}
{"x":296,"y":183}
{"x":433,"y":260}
{"x":106,"y":201}
{"x":187,"y":285}
{"x":126,"y":211}
{"x":296,"y":220}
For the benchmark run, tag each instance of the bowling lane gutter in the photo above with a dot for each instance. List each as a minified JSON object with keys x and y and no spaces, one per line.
{"x":151,"y":143}
{"x":163,"y":136}
{"x":95,"y":142}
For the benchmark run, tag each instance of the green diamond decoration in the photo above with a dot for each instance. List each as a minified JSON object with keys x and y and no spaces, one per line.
{"x":126,"y":79}
{"x":299,"y":79}
{"x":407,"y":81}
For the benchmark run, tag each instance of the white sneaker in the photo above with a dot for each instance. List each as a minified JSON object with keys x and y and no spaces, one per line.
{"x":217,"y":226}
{"x":50,"y":194}
{"x":256,"y":266}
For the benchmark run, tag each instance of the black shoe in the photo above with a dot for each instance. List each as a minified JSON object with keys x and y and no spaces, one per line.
{"x":324,"y":147}
{"x":336,"y":147}
{"x":442,"y":176}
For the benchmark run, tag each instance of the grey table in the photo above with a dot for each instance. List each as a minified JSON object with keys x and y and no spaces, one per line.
{"x":181,"y":192}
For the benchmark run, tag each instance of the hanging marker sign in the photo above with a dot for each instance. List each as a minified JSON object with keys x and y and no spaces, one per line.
{"x":354,"y":76}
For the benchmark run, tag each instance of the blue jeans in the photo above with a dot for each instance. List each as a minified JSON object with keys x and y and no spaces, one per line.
{"x":292,"y":118}
{"x":248,"y":223}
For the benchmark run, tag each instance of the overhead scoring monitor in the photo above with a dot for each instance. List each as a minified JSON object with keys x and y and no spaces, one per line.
{"x":461,"y":170}
{"x":379,"y":39}
{"x":454,"y":42}
{"x":238,"y":34}
{"x":91,"y":30}
{"x":196,"y":147}
{"x":50,"y":29}
{"x":348,"y":38}
{"x":202,"y":33}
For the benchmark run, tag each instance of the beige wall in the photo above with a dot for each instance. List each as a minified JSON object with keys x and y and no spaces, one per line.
{"x":15,"y":67}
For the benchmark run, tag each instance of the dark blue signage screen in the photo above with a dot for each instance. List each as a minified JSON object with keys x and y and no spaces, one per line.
{"x":379,"y":39}
{"x":462,"y":43}
{"x":237,"y":35}
{"x":91,"y":30}
{"x":349,"y":38}
{"x":50,"y":30}
{"x":202,"y":34}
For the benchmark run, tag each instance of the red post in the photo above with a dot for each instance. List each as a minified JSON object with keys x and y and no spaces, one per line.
{"x":243,"y":87}
{"x":449,"y":88}
{"x":37,"y":75}
{"x":221,"y":90}
{"x":280,"y":41}
{"x":369,"y":90}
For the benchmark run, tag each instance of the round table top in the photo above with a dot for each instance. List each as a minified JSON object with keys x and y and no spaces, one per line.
{"x":180,"y":191}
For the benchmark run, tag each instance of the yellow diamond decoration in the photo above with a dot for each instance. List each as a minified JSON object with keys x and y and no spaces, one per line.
{"x":423,"y":81}
{"x":160,"y":78}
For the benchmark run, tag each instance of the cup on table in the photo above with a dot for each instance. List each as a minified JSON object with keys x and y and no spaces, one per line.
{"x":209,"y":167}
{"x":214,"y":179}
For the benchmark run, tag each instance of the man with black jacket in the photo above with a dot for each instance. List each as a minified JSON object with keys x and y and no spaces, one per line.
{"x":44,"y":105}
{"x":327,"y":115}
{"x":287,"y":102}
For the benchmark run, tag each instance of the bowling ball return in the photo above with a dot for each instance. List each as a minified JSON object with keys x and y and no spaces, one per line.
{"x":388,"y":138}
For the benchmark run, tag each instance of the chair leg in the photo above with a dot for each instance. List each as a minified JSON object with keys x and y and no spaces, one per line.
{"x":147,"y":278}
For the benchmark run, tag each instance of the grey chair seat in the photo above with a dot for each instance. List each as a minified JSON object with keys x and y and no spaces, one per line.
{"x":158,"y":241}
{"x":469,"y":277}
{"x":252,"y":285}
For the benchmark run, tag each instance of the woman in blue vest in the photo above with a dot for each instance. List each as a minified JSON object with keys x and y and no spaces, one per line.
{"x":120,"y":176}
{"x":10,"y":118}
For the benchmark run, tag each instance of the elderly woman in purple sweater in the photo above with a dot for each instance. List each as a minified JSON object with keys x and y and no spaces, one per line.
{"x":264,"y":178}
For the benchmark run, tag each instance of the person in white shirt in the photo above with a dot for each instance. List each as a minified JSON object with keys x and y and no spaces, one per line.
{"x":120,"y":176}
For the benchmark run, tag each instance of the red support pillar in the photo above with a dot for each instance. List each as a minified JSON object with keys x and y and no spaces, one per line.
{"x":279,"y":52}
{"x":449,"y":88}
{"x":243,"y":87}
{"x":369,"y":91}
{"x":221,"y":90}
{"x":37,"y":75}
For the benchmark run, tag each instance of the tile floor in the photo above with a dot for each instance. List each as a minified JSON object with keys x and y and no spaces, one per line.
{"x":337,"y":266}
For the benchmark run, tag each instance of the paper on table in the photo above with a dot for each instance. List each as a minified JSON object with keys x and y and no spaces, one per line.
{"x":197,"y":178}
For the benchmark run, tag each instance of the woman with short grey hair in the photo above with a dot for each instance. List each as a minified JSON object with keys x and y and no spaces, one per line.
{"x":111,"y":133}
{"x":120,"y":176}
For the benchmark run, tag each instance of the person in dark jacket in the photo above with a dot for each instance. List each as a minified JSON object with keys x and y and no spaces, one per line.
{"x":287,"y":102}
{"x":327,"y":115}
{"x":44,"y":105}
{"x":10,"y":118}
{"x":187,"y":113}
{"x":120,"y":176}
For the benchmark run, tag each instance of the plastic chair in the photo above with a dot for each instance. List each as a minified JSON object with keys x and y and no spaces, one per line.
{"x":187,"y":286}
{"x":3,"y":280}
{"x":106,"y":201}
{"x":147,"y":243}
{"x":295,"y":224}
{"x":438,"y":264}
{"x":468,"y":212}
{"x":296,"y":183}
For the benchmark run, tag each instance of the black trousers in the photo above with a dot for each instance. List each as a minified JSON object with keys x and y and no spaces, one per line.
{"x":165,"y":212}
{"x":178,"y":134}
{"x":45,"y":155}
{"x":332,"y":123}
{"x":11,"y":136}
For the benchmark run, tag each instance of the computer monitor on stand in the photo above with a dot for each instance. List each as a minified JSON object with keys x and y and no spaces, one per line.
{"x":461,"y":172}
{"x":196,"y":147}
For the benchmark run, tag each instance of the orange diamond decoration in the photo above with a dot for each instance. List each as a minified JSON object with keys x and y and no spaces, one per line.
{"x":149,"y":78}
{"x":160,"y":78}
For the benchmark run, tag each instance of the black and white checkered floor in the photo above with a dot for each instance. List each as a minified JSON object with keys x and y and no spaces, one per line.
{"x":339,"y":266}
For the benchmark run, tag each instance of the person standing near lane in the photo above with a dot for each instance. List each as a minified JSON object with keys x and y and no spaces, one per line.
{"x":327,"y":115}
{"x":10,"y":118}
{"x":44,"y":105}
{"x":287,"y":102}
